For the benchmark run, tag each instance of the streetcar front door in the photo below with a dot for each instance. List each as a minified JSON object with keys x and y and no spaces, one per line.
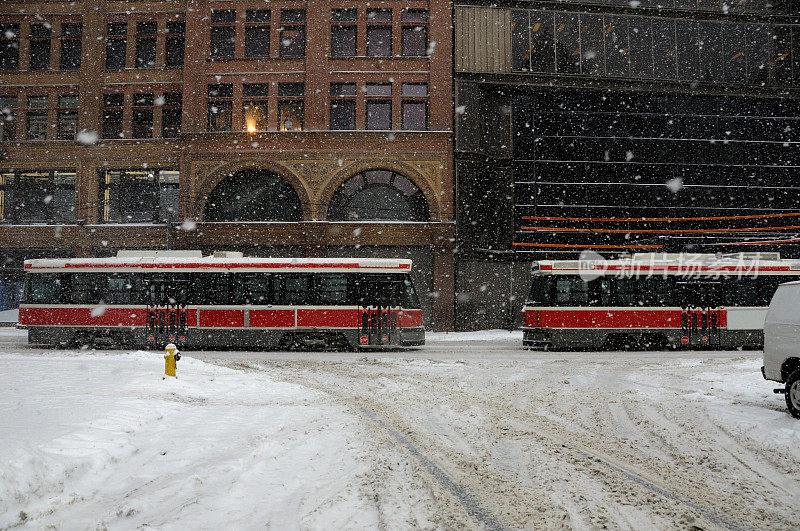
{"x":379,"y":312}
{"x":166,"y":311}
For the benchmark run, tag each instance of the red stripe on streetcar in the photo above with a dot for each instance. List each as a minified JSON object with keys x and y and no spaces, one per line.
{"x":83,"y":316}
{"x":221,"y":318}
{"x":271,"y":318}
{"x":609,"y":318}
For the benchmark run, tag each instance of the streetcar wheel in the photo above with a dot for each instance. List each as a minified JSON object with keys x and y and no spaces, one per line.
{"x":793,"y":394}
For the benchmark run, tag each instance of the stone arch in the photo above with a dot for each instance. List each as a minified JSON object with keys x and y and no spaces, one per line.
{"x":222,"y":172}
{"x":253,"y":186}
{"x":419,"y":180}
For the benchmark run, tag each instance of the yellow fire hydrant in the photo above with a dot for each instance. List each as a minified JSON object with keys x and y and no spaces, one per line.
{"x":171,"y":357}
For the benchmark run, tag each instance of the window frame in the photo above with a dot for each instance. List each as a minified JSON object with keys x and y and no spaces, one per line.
{"x":379,"y":24}
{"x":68,"y":38}
{"x":10,"y":43}
{"x":175,"y":44}
{"x":224,"y":101}
{"x":407,"y":24}
{"x":117,"y":38}
{"x":63,"y":111}
{"x":289,"y":24}
{"x":350,"y":23}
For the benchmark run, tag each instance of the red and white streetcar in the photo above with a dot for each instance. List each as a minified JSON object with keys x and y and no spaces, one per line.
{"x":149,"y":299}
{"x":653,"y":301}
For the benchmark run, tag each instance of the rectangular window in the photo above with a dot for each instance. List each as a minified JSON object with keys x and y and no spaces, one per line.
{"x":146,"y":33}
{"x":415,"y":106}
{"x":9,"y":46}
{"x":45,"y":196}
{"x":617,"y":47}
{"x":40,"y":45}
{"x":520,"y":41}
{"x":641,"y":46}
{"x":290,"y":106}
{"x":67,"y":125}
{"x":757,"y":50}
{"x":220,"y":107}
{"x":8,"y":117}
{"x":414,"y":33}
{"x":37,"y":119}
{"x":687,"y":46}
{"x":138,"y":195}
{"x":711,"y":59}
{"x":343,"y":106}
{"x":379,"y":32}
{"x":171,"y":115}
{"x":664,"y":51}
{"x":734,"y":45}
{"x":256,"y":33}
{"x":293,"y":32}
{"x":379,"y":114}
{"x":142,"y":116}
{"x":112,"y":115}
{"x":175,"y":44}
{"x":71,"y":34}
{"x":116,"y":45}
{"x":542,"y":42}
{"x":568,"y":52}
{"x":343,"y":32}
{"x":223,"y":32}
{"x":592,"y":47}
{"x":254,"y":106}
{"x":781,"y":55}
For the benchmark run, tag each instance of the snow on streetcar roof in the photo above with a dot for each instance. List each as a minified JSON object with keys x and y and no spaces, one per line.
{"x":210,"y":263}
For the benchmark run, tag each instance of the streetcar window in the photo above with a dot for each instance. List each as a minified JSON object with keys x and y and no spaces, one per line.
{"x":88,"y":288}
{"x":124,"y":289}
{"x":290,"y":289}
{"x":541,"y":291}
{"x":43,"y":288}
{"x":410,"y":299}
{"x":214,"y":289}
{"x":656,"y":291}
{"x":253,"y":288}
{"x":571,"y":291}
{"x":627,"y":292}
{"x":331,"y":289}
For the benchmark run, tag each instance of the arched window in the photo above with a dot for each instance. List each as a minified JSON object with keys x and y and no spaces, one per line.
{"x":378,"y":195}
{"x":253,"y":195}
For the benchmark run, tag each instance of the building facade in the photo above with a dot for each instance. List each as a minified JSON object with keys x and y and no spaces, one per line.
{"x":286,"y":128}
{"x":620,"y":127}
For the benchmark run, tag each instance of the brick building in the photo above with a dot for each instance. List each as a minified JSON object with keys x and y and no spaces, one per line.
{"x":285,"y":128}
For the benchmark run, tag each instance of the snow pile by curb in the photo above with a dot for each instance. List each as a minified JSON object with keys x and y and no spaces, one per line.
{"x":102,"y":440}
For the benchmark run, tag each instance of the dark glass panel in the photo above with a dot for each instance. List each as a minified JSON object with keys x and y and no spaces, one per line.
{"x":592,"y":48}
{"x":542,"y":42}
{"x":568,"y":52}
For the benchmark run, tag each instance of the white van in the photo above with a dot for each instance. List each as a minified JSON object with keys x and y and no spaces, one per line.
{"x":782,"y":343}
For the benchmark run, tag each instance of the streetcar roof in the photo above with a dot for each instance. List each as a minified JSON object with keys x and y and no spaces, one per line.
{"x":186,"y":264}
{"x":673,"y":264}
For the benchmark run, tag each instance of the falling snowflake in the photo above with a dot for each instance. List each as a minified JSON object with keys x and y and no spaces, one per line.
{"x":674,"y":185}
{"x":87,"y":137}
{"x":188,"y":225}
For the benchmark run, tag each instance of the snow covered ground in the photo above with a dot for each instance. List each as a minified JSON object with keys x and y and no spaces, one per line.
{"x":470,"y":431}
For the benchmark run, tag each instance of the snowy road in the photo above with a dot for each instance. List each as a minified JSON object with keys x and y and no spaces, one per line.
{"x":470,"y":431}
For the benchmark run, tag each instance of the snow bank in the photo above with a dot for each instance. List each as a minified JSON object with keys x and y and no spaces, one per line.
{"x":94,"y":441}
{"x":9,"y":316}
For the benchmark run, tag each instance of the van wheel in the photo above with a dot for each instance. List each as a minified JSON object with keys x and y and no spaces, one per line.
{"x":793,"y":394}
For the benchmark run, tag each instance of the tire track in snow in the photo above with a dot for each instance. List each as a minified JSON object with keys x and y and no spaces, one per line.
{"x":470,"y":503}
